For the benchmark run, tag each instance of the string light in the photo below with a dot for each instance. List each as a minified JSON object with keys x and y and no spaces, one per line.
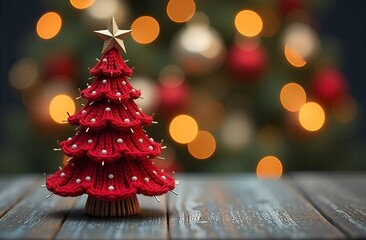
{"x":292,"y":97}
{"x":269,"y":167}
{"x":81,"y":4}
{"x":59,"y":106}
{"x":180,"y":10}
{"x":248,"y":23}
{"x":311,"y":116}
{"x":203,"y":146}
{"x":183,"y":129}
{"x":49,"y":25}
{"x":293,"y":57}
{"x":145,"y":29}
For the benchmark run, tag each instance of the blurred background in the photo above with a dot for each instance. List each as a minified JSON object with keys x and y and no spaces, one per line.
{"x":236,"y":86}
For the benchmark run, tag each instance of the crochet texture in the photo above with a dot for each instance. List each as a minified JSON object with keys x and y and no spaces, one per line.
{"x":112,"y":155}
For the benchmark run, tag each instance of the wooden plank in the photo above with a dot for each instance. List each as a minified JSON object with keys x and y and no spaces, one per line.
{"x":242,"y":206}
{"x":35,"y":217}
{"x":13,"y":188}
{"x":340,"y":197}
{"x":150,"y":224}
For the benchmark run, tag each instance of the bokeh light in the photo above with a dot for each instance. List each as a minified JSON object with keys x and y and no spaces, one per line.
{"x":104,"y":10}
{"x":237,"y":131}
{"x":183,"y":129}
{"x":311,"y":116}
{"x":59,"y":106}
{"x":248,"y":23}
{"x":210,"y":114}
{"x":301,"y":39}
{"x":81,"y":4}
{"x":23,"y":73}
{"x":171,"y":76}
{"x":293,"y":57}
{"x":49,"y":25}
{"x":271,"y":23}
{"x":149,"y":93}
{"x":269,"y":167}
{"x":270,"y":139}
{"x":180,"y":10}
{"x":145,"y":29}
{"x":203,"y":146}
{"x":292,"y":97}
{"x":344,"y":108}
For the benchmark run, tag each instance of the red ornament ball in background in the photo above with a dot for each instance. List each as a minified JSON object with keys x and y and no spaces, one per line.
{"x":173,"y":98}
{"x":60,"y":64}
{"x":286,"y":6}
{"x":328,"y":84}
{"x":247,"y":62}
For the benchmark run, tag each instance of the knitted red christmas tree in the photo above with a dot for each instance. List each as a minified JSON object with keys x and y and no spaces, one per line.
{"x":111,"y":155}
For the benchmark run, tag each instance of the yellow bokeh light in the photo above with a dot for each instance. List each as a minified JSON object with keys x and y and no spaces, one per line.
{"x":81,"y":4}
{"x":269,"y":167}
{"x":180,"y":10}
{"x":248,"y":23}
{"x":59,"y":106}
{"x":49,"y":25}
{"x":145,"y":29}
{"x":203,"y":146}
{"x":311,"y":116}
{"x":293,"y":57}
{"x":183,"y":129}
{"x":292,"y":97}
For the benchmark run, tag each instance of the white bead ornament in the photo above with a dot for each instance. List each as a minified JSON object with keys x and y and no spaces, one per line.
{"x":151,"y":139}
{"x":137,"y":113}
{"x":62,"y":175}
{"x":133,"y":90}
{"x":83,"y":112}
{"x":110,"y":188}
{"x":119,"y":140}
{"x":90,"y":141}
{"x":163,"y":177}
{"x":151,"y":148}
{"x":126,"y":120}
{"x":155,"y":172}
{"x":104,"y":60}
{"x":104,"y":152}
{"x":118,"y":94}
{"x":78,"y":180}
{"x":146,"y":179}
{"x":69,"y":138}
{"x":110,"y":176}
{"x":93,"y":92}
{"x":87,"y":178}
{"x":134,"y":178}
{"x":140,"y":140}
{"x":92,"y":120}
{"x":107,"y":109}
{"x":123,"y":82}
{"x":74,"y":146}
{"x":104,"y":81}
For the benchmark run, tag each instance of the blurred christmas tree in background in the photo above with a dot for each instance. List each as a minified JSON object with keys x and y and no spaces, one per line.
{"x":235,"y":85}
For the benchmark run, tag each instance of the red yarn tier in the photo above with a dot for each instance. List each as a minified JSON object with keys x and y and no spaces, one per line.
{"x":116,"y":89}
{"x":114,"y":181}
{"x":99,"y":115}
{"x":111,"y":64}
{"x":109,"y":145}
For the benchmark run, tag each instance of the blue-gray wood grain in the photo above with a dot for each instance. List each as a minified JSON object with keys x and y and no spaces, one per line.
{"x":208,"y":206}
{"x":213,"y":207}
{"x":340,"y":197}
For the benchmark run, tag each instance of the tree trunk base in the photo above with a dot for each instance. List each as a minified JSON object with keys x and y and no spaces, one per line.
{"x":121,"y":208}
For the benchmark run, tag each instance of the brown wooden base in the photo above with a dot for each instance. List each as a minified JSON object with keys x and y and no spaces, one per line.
{"x":121,"y":208}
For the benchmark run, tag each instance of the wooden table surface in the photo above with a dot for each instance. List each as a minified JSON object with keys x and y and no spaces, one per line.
{"x":299,"y":206}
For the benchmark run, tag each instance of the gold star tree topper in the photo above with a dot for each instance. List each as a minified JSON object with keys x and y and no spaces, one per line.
{"x":113,"y":37}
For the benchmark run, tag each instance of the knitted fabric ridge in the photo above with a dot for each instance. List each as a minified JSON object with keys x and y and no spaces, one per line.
{"x":112,"y":155}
